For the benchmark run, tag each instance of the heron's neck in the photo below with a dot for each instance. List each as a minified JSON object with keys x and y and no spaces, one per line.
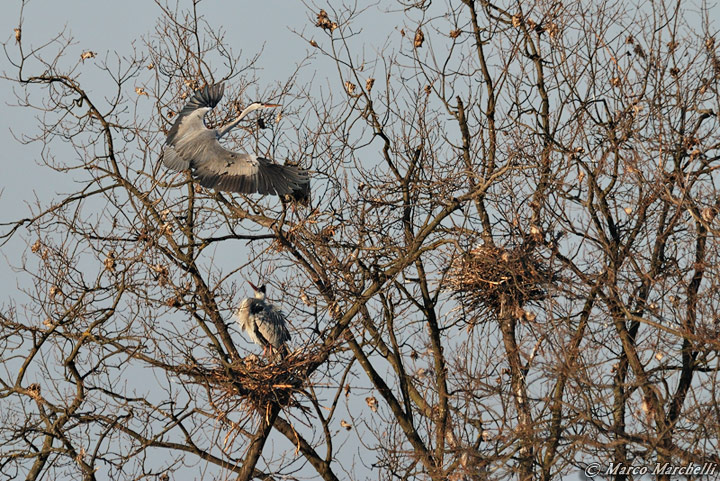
{"x":260,"y":296}
{"x":231,"y":125}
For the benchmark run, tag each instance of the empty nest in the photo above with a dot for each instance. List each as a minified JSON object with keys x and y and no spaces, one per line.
{"x":496,"y":279}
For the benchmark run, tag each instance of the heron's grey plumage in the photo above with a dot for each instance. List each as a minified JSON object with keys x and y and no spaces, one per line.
{"x":264,"y":323}
{"x":191,"y":145}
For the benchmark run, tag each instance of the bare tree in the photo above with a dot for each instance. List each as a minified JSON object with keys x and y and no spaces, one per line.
{"x":507,"y":270}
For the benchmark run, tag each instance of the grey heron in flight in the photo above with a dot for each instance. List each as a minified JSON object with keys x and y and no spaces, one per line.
{"x":191,"y":145}
{"x":264,"y":323}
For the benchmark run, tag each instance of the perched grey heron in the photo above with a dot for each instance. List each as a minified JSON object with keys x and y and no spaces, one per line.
{"x":263,"y":322}
{"x":191,"y":145}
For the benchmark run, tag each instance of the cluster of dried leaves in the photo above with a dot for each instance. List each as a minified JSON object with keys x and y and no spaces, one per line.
{"x":324,"y":22}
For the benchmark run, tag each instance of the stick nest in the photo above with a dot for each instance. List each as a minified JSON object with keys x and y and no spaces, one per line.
{"x":256,"y":383}
{"x":490,"y":278}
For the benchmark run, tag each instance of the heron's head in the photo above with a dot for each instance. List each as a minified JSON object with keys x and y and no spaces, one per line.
{"x":259,"y":291}
{"x":258,"y":106}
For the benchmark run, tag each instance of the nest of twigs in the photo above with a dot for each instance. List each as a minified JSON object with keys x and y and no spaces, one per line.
{"x":256,"y":382}
{"x":260,"y":382}
{"x":490,"y":278}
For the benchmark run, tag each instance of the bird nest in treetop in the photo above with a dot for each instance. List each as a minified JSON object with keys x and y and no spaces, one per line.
{"x":257,"y":384}
{"x":495,"y":278}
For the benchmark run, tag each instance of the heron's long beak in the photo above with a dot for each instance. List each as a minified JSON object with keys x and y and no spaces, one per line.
{"x":253,"y":286}
{"x":270,"y":106}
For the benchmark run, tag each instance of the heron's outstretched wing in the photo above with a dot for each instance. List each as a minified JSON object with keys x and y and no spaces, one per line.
{"x":173,"y":161}
{"x":222,"y":169}
{"x":187,"y":124}
{"x":209,"y":96}
{"x":272,"y":326}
